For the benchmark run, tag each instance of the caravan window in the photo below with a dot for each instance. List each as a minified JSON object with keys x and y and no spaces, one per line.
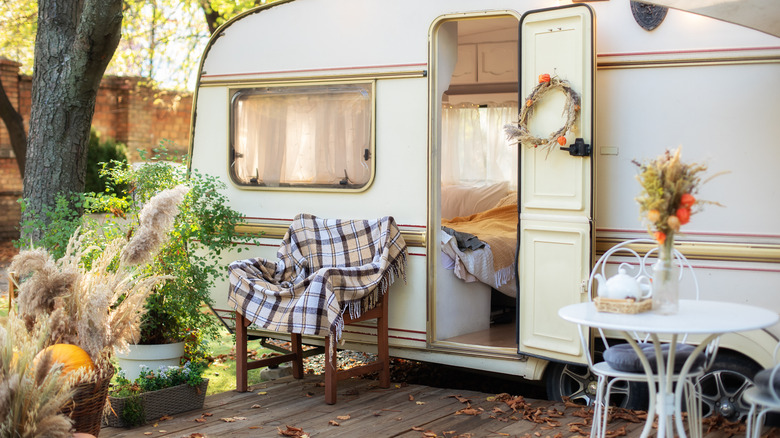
{"x":315,"y":136}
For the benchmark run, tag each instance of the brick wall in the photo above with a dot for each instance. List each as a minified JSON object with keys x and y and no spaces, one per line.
{"x":125,"y":110}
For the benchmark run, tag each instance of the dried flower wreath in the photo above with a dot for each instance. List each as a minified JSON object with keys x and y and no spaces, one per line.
{"x":521,"y":134}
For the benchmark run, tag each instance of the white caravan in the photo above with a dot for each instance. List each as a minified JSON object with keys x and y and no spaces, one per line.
{"x":368,"y":108}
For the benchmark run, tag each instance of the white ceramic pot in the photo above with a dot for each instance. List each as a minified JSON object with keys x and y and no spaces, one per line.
{"x":152,"y":356}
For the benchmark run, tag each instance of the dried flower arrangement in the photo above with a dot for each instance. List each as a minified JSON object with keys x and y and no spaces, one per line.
{"x":521,"y":134}
{"x":667,"y":200}
{"x":95,"y":307}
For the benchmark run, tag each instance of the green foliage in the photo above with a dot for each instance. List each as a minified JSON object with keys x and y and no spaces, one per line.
{"x":204,"y":228}
{"x":133,"y":413}
{"x":63,"y":219}
{"x":101,"y":157}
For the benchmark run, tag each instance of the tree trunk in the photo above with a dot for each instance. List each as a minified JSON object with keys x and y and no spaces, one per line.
{"x":75,"y":41}
{"x":15,"y":125}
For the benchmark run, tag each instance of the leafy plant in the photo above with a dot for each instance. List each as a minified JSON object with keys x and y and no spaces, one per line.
{"x":189,"y":255}
{"x":133,"y":414}
{"x":100,"y":155}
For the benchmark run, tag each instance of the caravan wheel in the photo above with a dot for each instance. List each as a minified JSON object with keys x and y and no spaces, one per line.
{"x":578,"y":384}
{"x":723,"y":385}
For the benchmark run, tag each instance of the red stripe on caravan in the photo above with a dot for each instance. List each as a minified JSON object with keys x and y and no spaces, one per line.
{"x":363,"y":67}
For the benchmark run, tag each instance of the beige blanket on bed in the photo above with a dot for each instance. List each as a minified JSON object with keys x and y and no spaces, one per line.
{"x":498,"y":228}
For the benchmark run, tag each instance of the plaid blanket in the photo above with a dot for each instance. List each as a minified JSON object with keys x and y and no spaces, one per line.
{"x":324,"y":267}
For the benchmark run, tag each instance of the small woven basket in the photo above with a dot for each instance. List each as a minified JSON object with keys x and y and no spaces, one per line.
{"x":612,"y":305}
{"x":86,"y":408}
{"x":156,"y":404}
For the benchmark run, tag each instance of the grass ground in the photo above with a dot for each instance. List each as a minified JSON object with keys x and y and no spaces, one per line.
{"x":222,"y":371}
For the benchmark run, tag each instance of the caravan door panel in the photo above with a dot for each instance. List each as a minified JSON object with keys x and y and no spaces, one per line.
{"x":556,"y":188}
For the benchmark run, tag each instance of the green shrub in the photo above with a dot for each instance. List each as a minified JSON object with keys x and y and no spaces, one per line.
{"x":100,"y":156}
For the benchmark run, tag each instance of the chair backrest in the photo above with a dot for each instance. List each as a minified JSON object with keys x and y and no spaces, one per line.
{"x":625,"y":255}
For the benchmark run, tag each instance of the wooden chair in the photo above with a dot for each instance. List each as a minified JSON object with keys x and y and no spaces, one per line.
{"x":332,"y":373}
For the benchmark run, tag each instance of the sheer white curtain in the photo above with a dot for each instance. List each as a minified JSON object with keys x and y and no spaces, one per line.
{"x":300,"y":138}
{"x":474,"y":147}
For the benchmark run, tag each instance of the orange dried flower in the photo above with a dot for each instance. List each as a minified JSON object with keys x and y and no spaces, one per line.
{"x":653,"y":216}
{"x":544,"y":78}
{"x":687,"y":200}
{"x":684,"y":215}
{"x":562,"y":140}
{"x":660,"y":237}
{"x":529,"y":102}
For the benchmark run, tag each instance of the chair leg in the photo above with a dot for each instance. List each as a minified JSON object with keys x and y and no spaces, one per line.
{"x":242,"y":368}
{"x":297,"y":349}
{"x":331,"y":369}
{"x":383,"y":347}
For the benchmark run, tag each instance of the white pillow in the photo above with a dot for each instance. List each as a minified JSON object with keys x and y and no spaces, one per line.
{"x":462,"y":200}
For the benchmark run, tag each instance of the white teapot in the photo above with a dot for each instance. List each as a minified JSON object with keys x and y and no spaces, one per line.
{"x":623,"y":286}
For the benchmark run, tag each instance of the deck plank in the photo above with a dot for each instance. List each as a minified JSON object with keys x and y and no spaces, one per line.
{"x":399,"y":411}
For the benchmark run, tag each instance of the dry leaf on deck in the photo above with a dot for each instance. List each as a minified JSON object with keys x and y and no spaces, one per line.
{"x":207,"y":414}
{"x":166,"y":417}
{"x":411,"y":397}
{"x":417,"y":428}
{"x":228,"y":420}
{"x":197,"y":435}
{"x":460,"y":398}
{"x":334,"y":423}
{"x":200,"y":420}
{"x":256,"y":406}
{"x":420,"y":403}
{"x":293,"y":431}
{"x":343,"y":417}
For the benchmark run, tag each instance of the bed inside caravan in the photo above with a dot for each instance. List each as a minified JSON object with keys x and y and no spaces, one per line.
{"x":476,"y":289}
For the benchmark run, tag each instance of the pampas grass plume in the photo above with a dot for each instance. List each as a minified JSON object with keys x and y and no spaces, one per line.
{"x":156,"y":218}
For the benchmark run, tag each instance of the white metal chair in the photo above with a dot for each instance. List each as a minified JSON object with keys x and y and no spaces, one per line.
{"x":635,"y":264}
{"x":763,"y":397}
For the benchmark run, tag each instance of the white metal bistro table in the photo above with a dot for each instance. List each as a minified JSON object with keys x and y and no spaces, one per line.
{"x":709,"y":318}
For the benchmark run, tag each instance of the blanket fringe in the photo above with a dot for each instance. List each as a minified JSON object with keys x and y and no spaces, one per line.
{"x":504,"y":275}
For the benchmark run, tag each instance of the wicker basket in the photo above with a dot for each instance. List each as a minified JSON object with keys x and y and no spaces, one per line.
{"x":167,"y":401}
{"x":86,"y":409}
{"x":612,"y":305}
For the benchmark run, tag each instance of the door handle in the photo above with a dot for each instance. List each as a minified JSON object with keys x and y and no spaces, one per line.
{"x":578,"y":149}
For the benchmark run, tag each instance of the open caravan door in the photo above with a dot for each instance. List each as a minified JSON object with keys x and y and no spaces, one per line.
{"x":556,"y":185}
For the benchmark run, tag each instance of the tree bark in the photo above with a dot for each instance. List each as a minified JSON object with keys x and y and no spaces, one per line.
{"x":211,"y":15}
{"x":15,"y":125}
{"x":75,"y":41}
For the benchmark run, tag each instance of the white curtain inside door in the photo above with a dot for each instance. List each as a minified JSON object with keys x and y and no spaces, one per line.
{"x":474,"y":147}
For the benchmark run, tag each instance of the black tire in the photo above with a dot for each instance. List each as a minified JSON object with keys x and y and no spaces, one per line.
{"x":722,"y":386}
{"x":578,"y":384}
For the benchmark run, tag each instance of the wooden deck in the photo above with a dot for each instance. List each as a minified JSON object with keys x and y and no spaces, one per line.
{"x":364,"y":410}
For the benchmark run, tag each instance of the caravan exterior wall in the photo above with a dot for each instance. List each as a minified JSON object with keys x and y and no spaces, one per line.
{"x":707,"y":85}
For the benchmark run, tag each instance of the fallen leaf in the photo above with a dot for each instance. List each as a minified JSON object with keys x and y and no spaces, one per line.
{"x":293,"y":431}
{"x":228,"y":420}
{"x":162,"y":431}
{"x":200,"y":420}
{"x":207,"y":414}
{"x":417,"y":428}
{"x":468,"y":411}
{"x":333,"y":423}
{"x":239,"y":418}
{"x":255,"y":427}
{"x":411,"y":397}
{"x":460,"y":398}
{"x":429,"y":434}
{"x":420,"y":403}
{"x":262,"y":393}
{"x":166,"y":417}
{"x":147,"y":433}
{"x":256,"y":406}
{"x":197,"y":435}
{"x":343,"y":417}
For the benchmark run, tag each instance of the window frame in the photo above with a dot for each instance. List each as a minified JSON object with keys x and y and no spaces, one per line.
{"x":234,"y":92}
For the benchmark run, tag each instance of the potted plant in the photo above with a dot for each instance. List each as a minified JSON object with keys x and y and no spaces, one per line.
{"x":189,"y":257}
{"x":154,"y":394}
{"x":78,"y":308}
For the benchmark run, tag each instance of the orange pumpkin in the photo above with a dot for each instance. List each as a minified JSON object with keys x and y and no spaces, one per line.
{"x":72,"y":357}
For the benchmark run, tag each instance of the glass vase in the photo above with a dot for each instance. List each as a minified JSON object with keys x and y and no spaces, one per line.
{"x":666,"y":281}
